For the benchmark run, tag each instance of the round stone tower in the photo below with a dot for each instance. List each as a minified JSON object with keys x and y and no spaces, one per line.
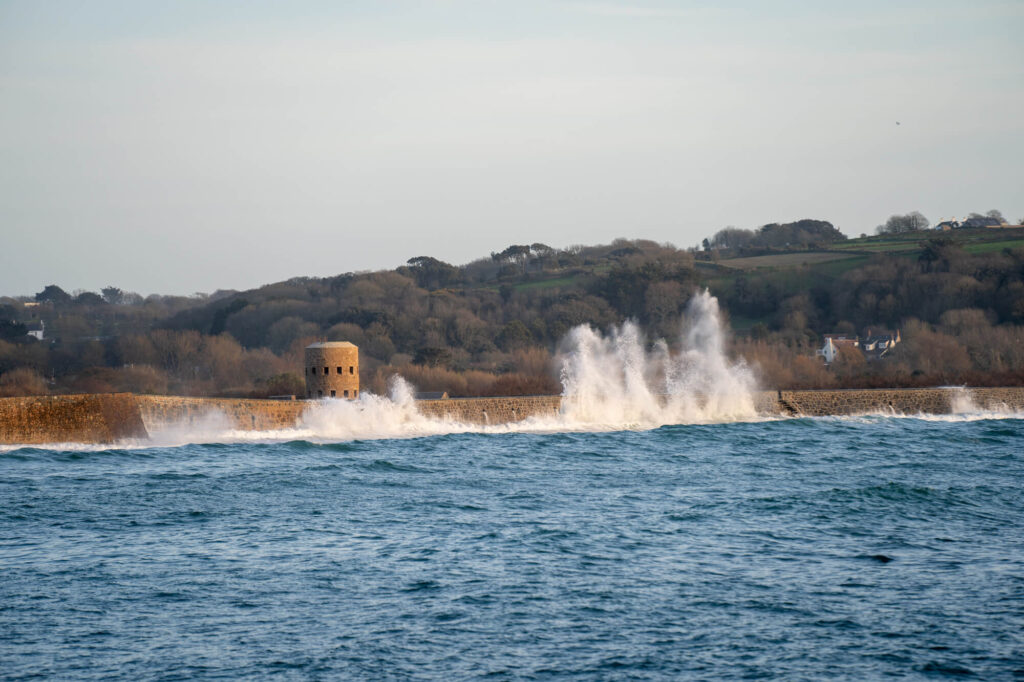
{"x":332,"y":370}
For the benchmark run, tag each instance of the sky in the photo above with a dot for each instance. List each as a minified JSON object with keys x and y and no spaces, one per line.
{"x":192,"y":146}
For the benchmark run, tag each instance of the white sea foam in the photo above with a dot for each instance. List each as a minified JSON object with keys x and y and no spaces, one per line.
{"x":614,"y":380}
{"x":880,"y":416}
{"x":368,"y":417}
{"x":209,"y":427}
{"x":611,"y":381}
{"x":961,"y":402}
{"x":372,"y":416}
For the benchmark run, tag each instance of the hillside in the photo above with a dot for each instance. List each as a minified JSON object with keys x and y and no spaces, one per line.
{"x":491,"y":326}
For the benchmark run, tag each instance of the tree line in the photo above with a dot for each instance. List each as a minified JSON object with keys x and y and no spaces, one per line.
{"x":493,"y":326}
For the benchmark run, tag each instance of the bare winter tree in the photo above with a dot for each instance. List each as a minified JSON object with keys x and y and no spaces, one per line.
{"x":997,"y":214}
{"x":910,"y":222}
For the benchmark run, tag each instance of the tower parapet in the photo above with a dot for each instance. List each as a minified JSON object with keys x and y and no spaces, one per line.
{"x":332,"y":370}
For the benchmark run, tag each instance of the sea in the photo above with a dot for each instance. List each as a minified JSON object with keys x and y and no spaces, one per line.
{"x":631,"y":537}
{"x":829,"y":548}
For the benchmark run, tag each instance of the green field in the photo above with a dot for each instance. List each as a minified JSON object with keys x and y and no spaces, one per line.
{"x":973,"y":241}
{"x":799,"y":271}
{"x":891,"y":247}
{"x":784,"y":260}
{"x":789,"y":280}
{"x":838,"y":267}
{"x":548,"y":283}
{"x":880,"y":246}
{"x":989,"y":247}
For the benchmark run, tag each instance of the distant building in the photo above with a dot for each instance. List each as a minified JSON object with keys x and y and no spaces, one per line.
{"x":878,"y":342}
{"x":873,"y":344}
{"x":833,"y":342}
{"x":332,"y":370}
{"x":37,"y":331}
{"x":981,"y":221}
{"x":974,"y":223}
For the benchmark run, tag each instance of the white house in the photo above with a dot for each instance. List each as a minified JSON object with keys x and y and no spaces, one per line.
{"x":39,"y":333}
{"x":833,"y":342}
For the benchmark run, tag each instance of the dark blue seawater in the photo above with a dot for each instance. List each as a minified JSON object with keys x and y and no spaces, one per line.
{"x":800,"y":549}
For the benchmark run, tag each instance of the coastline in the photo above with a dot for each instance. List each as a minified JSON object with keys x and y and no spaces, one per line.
{"x":107,"y":418}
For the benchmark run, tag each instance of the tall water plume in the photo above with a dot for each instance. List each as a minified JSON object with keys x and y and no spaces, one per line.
{"x":610,"y":381}
{"x":372,"y":416}
{"x":614,"y":379}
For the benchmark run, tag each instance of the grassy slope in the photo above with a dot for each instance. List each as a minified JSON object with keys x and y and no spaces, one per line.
{"x":988,"y":247}
{"x":973,"y":241}
{"x":799,"y":271}
{"x":796,"y":272}
{"x":782,"y":260}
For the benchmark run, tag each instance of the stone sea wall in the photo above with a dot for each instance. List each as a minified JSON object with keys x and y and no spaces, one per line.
{"x":997,"y":398}
{"x":490,"y":410}
{"x":160,"y":412}
{"x":111,"y":417}
{"x":900,"y":401}
{"x":100,"y":418}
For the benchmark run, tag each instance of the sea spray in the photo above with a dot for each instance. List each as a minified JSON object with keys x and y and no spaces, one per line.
{"x":208,"y":427}
{"x":372,"y":416}
{"x":613,"y":379}
{"x":610,"y":381}
{"x":328,"y":419}
{"x":962,"y":404}
{"x":704,"y":378}
{"x":961,"y":401}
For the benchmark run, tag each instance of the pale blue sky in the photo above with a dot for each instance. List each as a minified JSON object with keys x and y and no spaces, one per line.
{"x":191,"y":146}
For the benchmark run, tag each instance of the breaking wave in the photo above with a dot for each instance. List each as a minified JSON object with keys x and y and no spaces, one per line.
{"x":611,"y":381}
{"x":615,"y":380}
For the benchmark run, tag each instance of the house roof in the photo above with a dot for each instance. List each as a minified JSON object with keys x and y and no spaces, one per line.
{"x":432,"y":395}
{"x":879,"y":334}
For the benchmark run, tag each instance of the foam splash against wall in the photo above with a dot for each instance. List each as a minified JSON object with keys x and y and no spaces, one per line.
{"x":210,"y":427}
{"x":962,"y":402}
{"x":615,"y":380}
{"x":963,"y":407}
{"x":366,"y":418}
{"x":373,"y":416}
